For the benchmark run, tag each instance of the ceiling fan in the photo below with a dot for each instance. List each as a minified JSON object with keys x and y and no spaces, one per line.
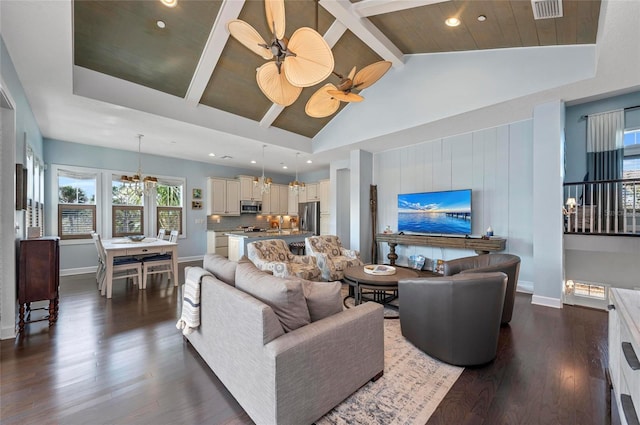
{"x":326,"y":100}
{"x":303,"y":61}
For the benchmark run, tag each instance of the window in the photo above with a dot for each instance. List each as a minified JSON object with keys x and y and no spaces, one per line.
{"x":127,"y":210}
{"x":631,"y":164}
{"x":96,"y":200}
{"x":169,"y":207}
{"x":35,"y":195}
{"x":76,"y":204}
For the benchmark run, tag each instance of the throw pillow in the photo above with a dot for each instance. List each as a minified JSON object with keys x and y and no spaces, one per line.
{"x":284,"y":296}
{"x":221,"y":267}
{"x":323,"y":298}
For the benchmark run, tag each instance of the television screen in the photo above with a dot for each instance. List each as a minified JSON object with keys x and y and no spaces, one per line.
{"x":446,"y":213}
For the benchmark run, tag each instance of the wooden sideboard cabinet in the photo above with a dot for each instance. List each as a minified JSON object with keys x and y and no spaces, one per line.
{"x":38,"y":278}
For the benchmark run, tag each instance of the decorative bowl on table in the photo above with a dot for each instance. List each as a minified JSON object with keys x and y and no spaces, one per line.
{"x":379,"y":269}
{"x":136,"y":238}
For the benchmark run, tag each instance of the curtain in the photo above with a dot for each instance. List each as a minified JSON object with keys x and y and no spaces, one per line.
{"x":605,"y":154}
{"x":605,"y":148}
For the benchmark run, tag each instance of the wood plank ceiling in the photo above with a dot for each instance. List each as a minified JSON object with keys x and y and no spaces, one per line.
{"x":122,"y":39}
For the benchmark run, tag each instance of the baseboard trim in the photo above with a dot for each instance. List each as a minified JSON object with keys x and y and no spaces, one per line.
{"x":92,"y":269}
{"x":8,"y":333}
{"x":546,"y":301}
{"x":525,"y":286}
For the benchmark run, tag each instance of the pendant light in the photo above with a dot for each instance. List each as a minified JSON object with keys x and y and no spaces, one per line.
{"x":263,"y":182}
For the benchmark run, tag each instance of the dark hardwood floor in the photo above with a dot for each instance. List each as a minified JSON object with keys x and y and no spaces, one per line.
{"x":122,"y":361}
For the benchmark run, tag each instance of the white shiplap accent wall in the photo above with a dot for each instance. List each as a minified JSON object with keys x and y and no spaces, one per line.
{"x":496,"y":163}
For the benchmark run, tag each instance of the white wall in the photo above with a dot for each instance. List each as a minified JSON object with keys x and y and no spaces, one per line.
{"x":496,"y":163}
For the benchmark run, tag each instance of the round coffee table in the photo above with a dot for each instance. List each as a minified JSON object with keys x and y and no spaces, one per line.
{"x":379,"y":285}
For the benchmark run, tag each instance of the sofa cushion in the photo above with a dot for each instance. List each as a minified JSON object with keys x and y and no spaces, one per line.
{"x":323,"y":298}
{"x":221,"y":267}
{"x":284,"y":296}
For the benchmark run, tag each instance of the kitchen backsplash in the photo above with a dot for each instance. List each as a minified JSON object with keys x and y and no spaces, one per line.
{"x":260,"y":221}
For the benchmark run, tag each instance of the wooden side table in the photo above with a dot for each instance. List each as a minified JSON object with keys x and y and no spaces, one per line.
{"x":38,"y":278}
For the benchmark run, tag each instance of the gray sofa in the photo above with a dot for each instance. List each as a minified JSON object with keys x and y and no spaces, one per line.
{"x":505,"y":263}
{"x":288,"y":378}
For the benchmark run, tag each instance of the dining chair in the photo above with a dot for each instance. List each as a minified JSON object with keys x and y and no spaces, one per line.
{"x":101,"y":266}
{"x":122,"y":267}
{"x":162,"y":263}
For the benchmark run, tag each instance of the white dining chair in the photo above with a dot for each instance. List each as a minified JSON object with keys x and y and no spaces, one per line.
{"x":157,"y":264}
{"x":123,"y":267}
{"x":101,"y":266}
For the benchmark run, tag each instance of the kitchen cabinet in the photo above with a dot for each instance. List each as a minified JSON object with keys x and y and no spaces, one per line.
{"x":248,"y":190}
{"x":217,"y":243}
{"x":292,"y":207}
{"x":624,"y":351}
{"x":276,"y":202}
{"x":323,"y":195}
{"x":312,"y":192}
{"x":224,"y":196}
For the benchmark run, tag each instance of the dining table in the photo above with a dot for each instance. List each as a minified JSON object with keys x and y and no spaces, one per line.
{"x":124,"y":247}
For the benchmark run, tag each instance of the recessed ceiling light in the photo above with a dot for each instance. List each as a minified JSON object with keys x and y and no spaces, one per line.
{"x":253,"y":161}
{"x":160,"y":24}
{"x":309,"y":161}
{"x":284,"y":167}
{"x":169,"y":3}
{"x":452,"y":22}
{"x":482,"y":18}
{"x":212,"y":154}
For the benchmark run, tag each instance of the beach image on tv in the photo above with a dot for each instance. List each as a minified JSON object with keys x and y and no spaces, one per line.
{"x":435,"y":212}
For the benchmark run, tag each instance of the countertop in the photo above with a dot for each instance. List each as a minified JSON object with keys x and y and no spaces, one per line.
{"x":271,"y":234}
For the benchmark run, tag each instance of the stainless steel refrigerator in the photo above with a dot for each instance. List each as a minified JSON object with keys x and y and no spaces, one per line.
{"x":309,"y":217}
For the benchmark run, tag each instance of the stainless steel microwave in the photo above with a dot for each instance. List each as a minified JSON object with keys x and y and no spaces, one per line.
{"x":250,"y":207}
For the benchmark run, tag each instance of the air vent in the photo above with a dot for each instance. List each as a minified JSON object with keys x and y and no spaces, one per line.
{"x":546,"y":9}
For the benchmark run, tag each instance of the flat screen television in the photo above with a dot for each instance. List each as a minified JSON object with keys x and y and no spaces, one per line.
{"x":439,"y":213}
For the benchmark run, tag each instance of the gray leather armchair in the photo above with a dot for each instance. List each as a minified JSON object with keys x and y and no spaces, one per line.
{"x":455,"y":319}
{"x":505,"y":263}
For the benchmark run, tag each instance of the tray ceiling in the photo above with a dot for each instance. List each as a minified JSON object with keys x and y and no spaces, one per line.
{"x":122,"y":39}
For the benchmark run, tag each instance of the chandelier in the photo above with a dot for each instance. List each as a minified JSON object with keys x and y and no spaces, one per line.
{"x":137,"y":182}
{"x":263,"y":182}
{"x":296,"y":186}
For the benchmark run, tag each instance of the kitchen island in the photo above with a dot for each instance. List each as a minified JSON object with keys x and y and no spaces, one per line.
{"x":238,"y":240}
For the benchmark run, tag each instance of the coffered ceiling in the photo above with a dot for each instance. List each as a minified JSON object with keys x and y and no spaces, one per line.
{"x":122,"y":39}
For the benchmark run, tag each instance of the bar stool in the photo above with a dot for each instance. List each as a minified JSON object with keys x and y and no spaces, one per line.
{"x":297,"y":248}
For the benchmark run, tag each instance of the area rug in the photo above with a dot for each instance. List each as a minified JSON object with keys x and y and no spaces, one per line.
{"x":409,"y":392}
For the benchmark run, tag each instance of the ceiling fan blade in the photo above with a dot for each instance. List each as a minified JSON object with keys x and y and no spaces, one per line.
{"x":345,"y":97}
{"x":321,"y":104}
{"x":275,"y":86}
{"x":313,"y":60}
{"x":249,"y":37}
{"x":274,"y":9}
{"x":370,"y":74}
{"x":352,"y":73}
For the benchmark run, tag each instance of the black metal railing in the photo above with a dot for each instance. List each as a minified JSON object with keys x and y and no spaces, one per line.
{"x":603,"y":207}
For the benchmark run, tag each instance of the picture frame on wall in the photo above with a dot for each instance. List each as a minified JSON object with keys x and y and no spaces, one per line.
{"x":197,"y":193}
{"x":196,"y":205}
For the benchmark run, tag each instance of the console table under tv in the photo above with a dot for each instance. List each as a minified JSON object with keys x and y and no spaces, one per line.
{"x":479,"y":245}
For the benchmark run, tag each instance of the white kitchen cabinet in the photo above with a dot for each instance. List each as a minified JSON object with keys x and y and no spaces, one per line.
{"x":271,"y":201}
{"x":224,"y":196}
{"x":312,"y":192}
{"x":323,"y":195}
{"x":248,"y":190}
{"x":292,"y":207}
{"x":284,"y":199}
{"x":217,"y":243}
{"x":624,"y":351}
